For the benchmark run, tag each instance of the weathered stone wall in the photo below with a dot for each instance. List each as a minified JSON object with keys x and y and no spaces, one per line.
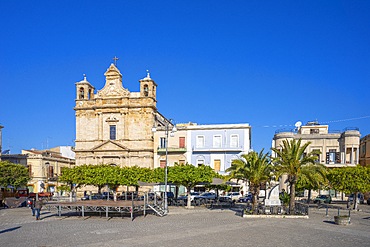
{"x":133,"y":115}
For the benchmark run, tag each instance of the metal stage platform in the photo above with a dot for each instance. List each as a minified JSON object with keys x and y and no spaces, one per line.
{"x":108,"y":207}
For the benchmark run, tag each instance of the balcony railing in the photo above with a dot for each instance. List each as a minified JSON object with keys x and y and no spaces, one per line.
{"x":53,"y":179}
{"x":351,"y":128}
{"x":171,"y":150}
{"x":284,"y":130}
{"x":222,"y":148}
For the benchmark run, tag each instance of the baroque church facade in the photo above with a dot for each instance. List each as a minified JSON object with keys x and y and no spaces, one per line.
{"x":114,"y":125}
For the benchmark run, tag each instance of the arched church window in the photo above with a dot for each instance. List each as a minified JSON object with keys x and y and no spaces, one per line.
{"x":146,"y":90}
{"x":82,"y":93}
{"x":89,"y":95}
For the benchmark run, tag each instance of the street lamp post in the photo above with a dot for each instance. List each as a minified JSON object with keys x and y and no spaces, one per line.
{"x":166,"y":165}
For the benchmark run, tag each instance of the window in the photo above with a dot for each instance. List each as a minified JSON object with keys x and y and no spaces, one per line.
{"x":82,"y":93}
{"x":363,"y":149}
{"x":314,"y":131}
{"x":181,"y":142}
{"x":217,"y":141}
{"x":234,"y":141}
{"x":29,"y":170}
{"x":303,"y":155}
{"x":146,"y":90}
{"x":331,"y":156}
{"x":317,"y":153}
{"x":162,"y":143}
{"x":200,"y":162}
{"x":200,"y":142}
{"x":217,"y":165}
{"x":50,"y":171}
{"x":112,"y":132}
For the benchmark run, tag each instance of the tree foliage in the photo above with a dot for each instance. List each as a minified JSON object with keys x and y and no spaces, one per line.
{"x":189,"y":176}
{"x":314,"y":179}
{"x":15,"y":175}
{"x":102,"y":175}
{"x":255,"y":168}
{"x":292,"y":160}
{"x":113,"y":176}
{"x":350,"y":179}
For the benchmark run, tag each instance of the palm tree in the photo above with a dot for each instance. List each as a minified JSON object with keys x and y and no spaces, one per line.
{"x":253,"y":167}
{"x":314,"y":179}
{"x":292,"y":161}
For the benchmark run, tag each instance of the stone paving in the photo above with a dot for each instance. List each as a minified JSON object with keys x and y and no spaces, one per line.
{"x":182,"y":227}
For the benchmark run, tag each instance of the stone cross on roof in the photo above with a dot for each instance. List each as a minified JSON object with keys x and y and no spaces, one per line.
{"x":115,"y":60}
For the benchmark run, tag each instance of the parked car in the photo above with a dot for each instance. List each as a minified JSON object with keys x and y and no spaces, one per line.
{"x":151,"y":196}
{"x":368,"y":201}
{"x":205,"y":196}
{"x":246,"y":198}
{"x":185,"y":196}
{"x":360,"y":198}
{"x":128,"y":196}
{"x":94,"y":196}
{"x":170,"y":195}
{"x":322,"y":199}
{"x":105,"y":195}
{"x":234,"y":196}
{"x":224,"y":200}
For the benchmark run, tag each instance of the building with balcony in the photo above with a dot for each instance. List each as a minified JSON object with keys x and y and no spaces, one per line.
{"x":44,"y":166}
{"x":217,"y":145}
{"x":365,"y":150}
{"x":337,"y":148}
{"x":213,"y":145}
{"x":176,"y":146}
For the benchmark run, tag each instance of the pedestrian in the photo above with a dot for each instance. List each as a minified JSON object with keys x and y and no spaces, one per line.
{"x":32,"y":206}
{"x":38,"y":206}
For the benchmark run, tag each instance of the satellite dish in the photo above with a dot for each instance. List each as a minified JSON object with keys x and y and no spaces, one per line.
{"x":298,"y":124}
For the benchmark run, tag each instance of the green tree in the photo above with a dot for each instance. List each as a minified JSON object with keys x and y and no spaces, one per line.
{"x":255,"y":168}
{"x":189,"y":176}
{"x":134,"y":174}
{"x":350,"y":180}
{"x":73,"y":178}
{"x":315,"y":180}
{"x":292,"y":160}
{"x":15,"y":175}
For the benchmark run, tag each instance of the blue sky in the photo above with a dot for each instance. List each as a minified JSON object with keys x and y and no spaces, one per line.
{"x":266,"y":63}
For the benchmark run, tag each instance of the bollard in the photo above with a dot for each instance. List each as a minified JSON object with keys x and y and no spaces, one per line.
{"x":349,"y":216}
{"x":327,"y":211}
{"x":146,"y":202}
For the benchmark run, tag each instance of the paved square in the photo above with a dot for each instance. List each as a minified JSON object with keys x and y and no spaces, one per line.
{"x":198,"y":227}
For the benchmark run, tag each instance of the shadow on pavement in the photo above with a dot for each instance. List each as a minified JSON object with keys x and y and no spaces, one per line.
{"x":329,"y":222}
{"x":10,"y":229}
